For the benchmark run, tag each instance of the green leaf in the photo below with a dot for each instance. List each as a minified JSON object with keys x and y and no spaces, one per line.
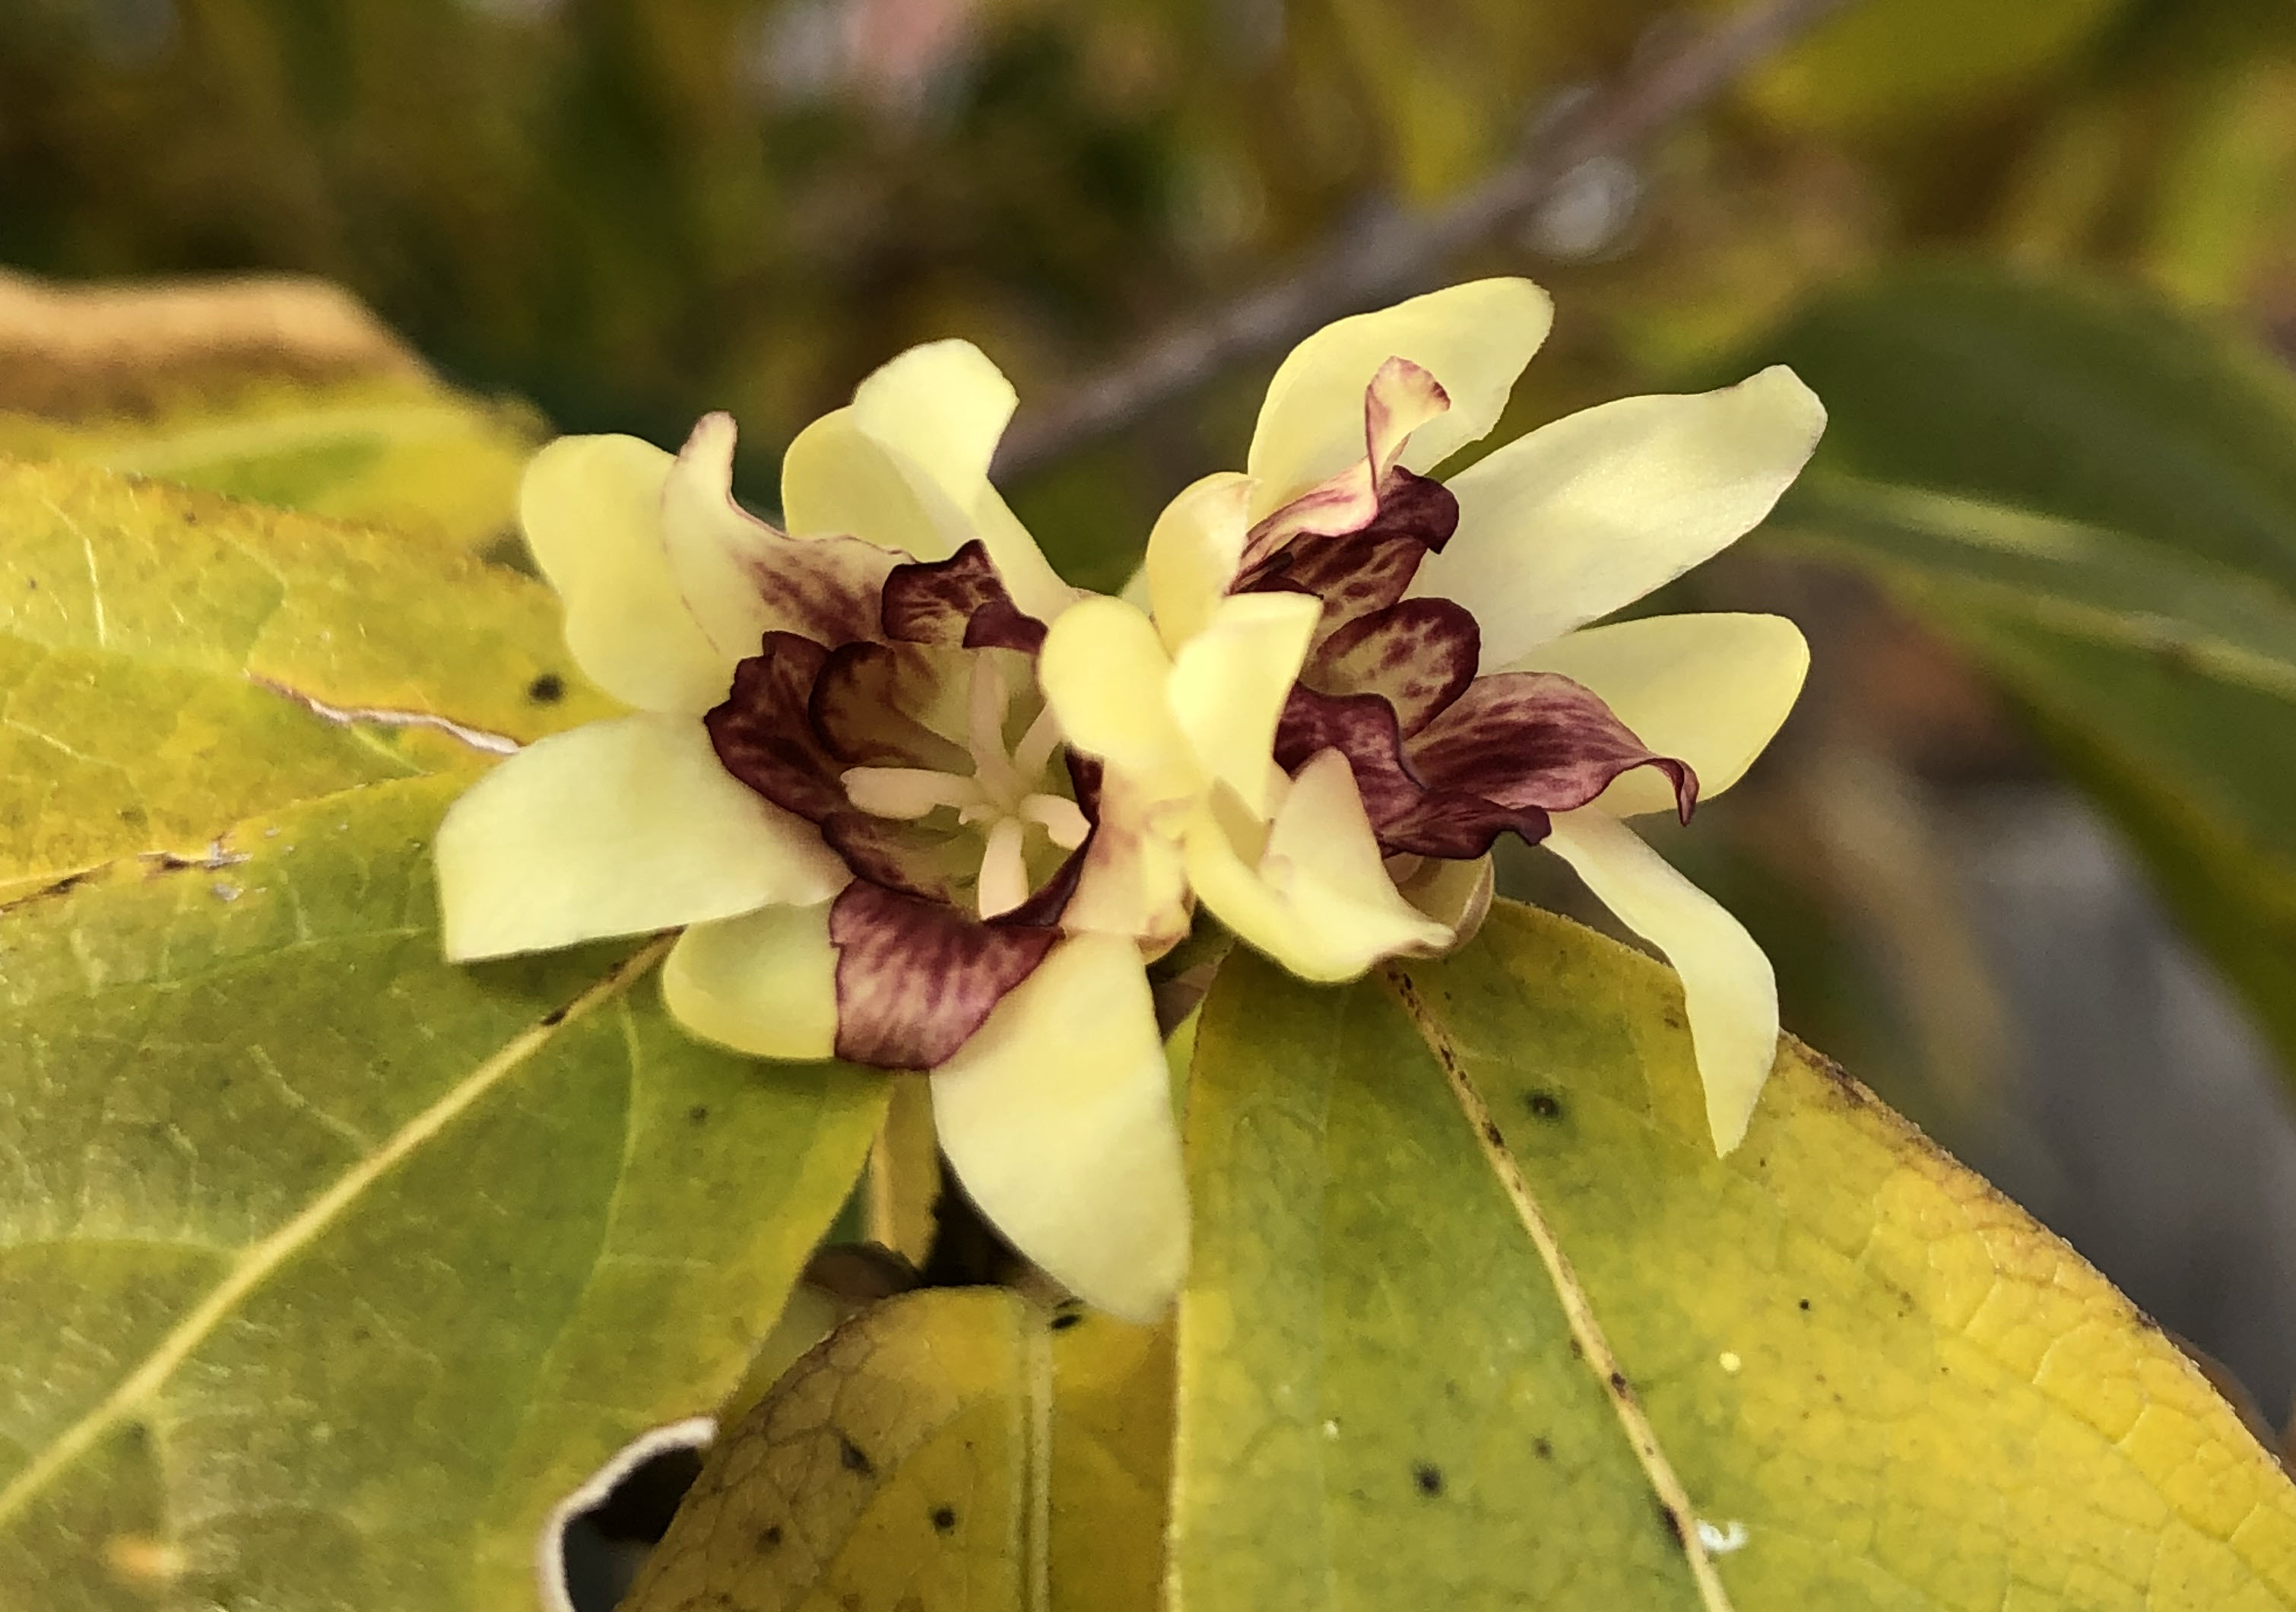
{"x":162,"y":653}
{"x":1880,"y":1385}
{"x":329,"y":1267}
{"x":958,"y":1449}
{"x":2095,"y":499}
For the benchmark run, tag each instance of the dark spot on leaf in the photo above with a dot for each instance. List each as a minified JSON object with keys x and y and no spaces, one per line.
{"x":1618,"y":1382}
{"x":1429,"y":1477}
{"x":1546,"y":1105}
{"x":1577,"y":1348}
{"x":1672,"y":1523}
{"x":1542,"y":1449}
{"x":1067,"y":1319}
{"x":190,"y":518}
{"x":1491,"y":1135}
{"x":856,"y":1459}
{"x":770,"y":1539}
{"x":554,"y":1018}
{"x":1805,"y":1303}
{"x":698,"y":1113}
{"x":943,"y":1519}
{"x":547,"y":689}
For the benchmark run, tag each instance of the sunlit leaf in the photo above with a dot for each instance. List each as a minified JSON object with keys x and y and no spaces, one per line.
{"x":329,"y":1267}
{"x":946,"y":1450}
{"x":1880,"y":1385}
{"x":161,"y":653}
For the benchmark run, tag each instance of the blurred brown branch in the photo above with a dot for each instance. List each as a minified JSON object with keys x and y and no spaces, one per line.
{"x":1396,"y":253}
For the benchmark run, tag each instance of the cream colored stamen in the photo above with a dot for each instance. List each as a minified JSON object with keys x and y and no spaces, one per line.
{"x":908,"y":791}
{"x":999,"y":799}
{"x":1003,"y":872}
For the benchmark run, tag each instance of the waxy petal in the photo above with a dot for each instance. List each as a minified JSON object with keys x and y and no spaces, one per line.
{"x":1193,"y":553}
{"x":1228,"y":684}
{"x":1316,"y":897}
{"x":1728,"y":989}
{"x":1711,"y":690}
{"x":764,"y":983}
{"x":1104,"y":673}
{"x":916,"y":977}
{"x":741,"y":579}
{"x":1132,"y":881}
{"x":1474,"y":339}
{"x":836,"y":481}
{"x":1057,"y":1117}
{"x":591,"y":507}
{"x":618,"y":828}
{"x":907,"y":466}
{"x":1584,"y":516}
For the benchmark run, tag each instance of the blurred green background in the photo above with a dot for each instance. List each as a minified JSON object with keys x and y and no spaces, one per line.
{"x":2022,"y":859}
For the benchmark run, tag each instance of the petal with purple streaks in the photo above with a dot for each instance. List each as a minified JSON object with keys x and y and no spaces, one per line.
{"x":741,"y":578}
{"x":916,"y":978}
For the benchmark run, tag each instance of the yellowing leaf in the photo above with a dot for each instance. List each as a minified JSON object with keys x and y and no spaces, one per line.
{"x":329,"y":1268}
{"x":947,"y":1449}
{"x":165,"y":655}
{"x":1880,"y":1385}
{"x":284,"y":391}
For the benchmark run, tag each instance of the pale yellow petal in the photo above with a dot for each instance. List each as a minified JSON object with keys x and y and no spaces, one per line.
{"x":836,"y":479}
{"x":1229,"y":682}
{"x":1057,"y":1117}
{"x":764,"y":983}
{"x":1474,"y":338}
{"x":938,"y":412}
{"x":1581,"y":517}
{"x":1728,"y":991}
{"x":943,"y":405}
{"x":618,"y":828}
{"x":1104,"y":674}
{"x":1711,"y":690}
{"x":591,"y":510}
{"x":1134,"y":883}
{"x":1316,"y":897}
{"x":1192,"y":553}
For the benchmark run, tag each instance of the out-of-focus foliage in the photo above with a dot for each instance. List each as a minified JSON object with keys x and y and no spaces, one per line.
{"x":2154,"y":644}
{"x":285,"y":391}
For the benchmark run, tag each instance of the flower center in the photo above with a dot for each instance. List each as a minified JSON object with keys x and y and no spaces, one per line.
{"x":1001,"y":800}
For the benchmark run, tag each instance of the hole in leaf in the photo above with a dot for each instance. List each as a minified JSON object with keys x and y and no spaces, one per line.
{"x":598,"y":1537}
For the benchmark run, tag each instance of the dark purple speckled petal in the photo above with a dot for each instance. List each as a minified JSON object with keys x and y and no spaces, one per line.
{"x":916,"y":978}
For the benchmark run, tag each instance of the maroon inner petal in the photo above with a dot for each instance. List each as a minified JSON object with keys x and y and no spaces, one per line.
{"x":1510,"y":751}
{"x":1536,"y":738}
{"x":1366,"y":568}
{"x":763,"y":731}
{"x":959,"y":603}
{"x":916,"y":978}
{"x":862,"y":705}
{"x":1418,"y":655}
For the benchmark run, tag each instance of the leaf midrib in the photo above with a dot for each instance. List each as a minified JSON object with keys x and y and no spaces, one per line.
{"x":258,"y":1262}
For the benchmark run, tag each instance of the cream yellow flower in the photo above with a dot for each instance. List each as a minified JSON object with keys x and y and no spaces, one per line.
{"x":1453,"y":685}
{"x":841,"y":779}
